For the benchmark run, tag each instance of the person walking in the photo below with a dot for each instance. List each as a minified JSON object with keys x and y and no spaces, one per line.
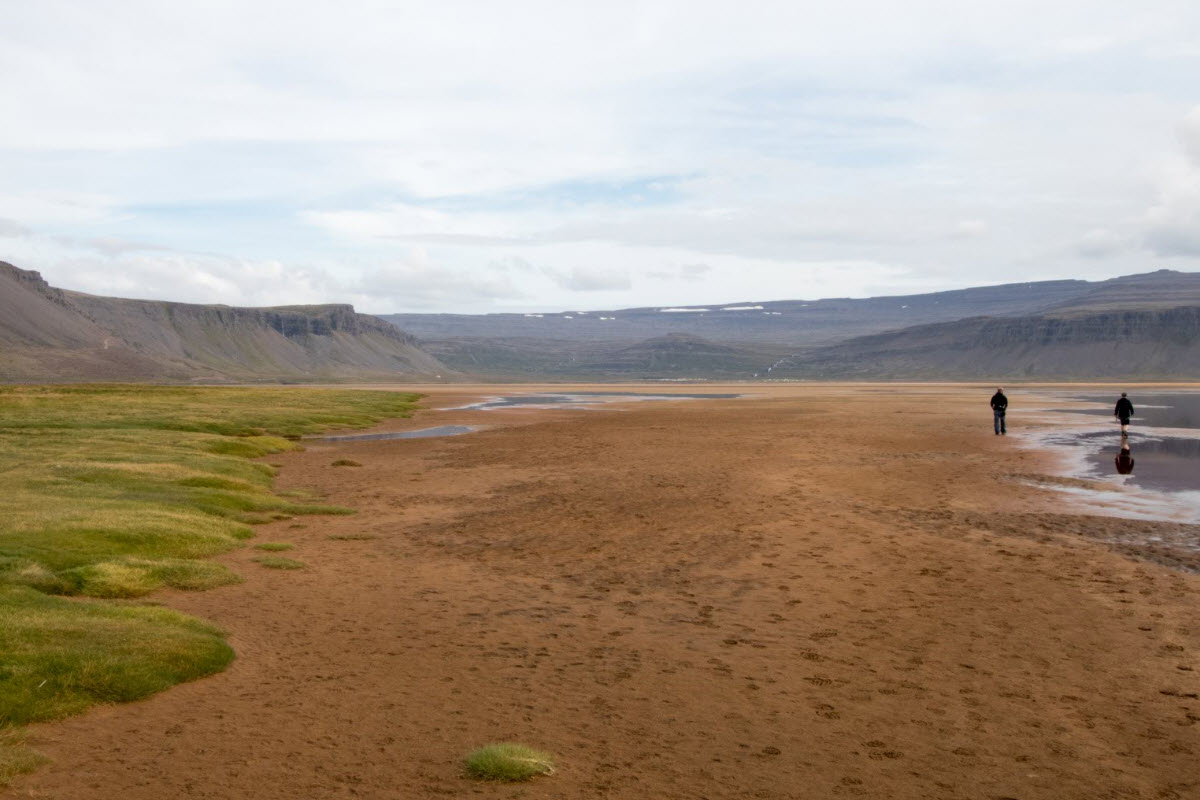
{"x":999,"y":407}
{"x":1123,"y":412}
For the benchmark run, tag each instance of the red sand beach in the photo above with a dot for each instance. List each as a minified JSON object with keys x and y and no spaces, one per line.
{"x":817,"y":591}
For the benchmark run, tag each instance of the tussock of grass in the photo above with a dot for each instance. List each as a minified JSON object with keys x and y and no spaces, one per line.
{"x":274,"y":547}
{"x":15,"y":758}
{"x":62,"y":655}
{"x":345,"y":462}
{"x":116,"y":491}
{"x":351,"y":537}
{"x":279,"y":562}
{"x":508,"y":761}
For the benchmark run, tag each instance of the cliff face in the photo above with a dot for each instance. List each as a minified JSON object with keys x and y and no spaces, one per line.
{"x":47,"y":334}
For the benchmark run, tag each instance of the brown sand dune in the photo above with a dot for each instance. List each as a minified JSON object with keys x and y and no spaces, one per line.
{"x":817,"y":592}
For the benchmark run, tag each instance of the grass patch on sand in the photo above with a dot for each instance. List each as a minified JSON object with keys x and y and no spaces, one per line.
{"x":112,"y":492}
{"x":351,"y":537}
{"x":345,"y":462}
{"x":508,"y":761}
{"x":15,"y":757}
{"x":274,"y":547}
{"x":279,"y":562}
{"x":62,"y":655}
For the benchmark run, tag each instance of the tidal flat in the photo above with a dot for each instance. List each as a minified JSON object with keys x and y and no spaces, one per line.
{"x":835,"y":590}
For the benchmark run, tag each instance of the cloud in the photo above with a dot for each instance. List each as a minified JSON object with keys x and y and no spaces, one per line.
{"x":11,"y":229}
{"x":970,"y":229}
{"x":292,"y":152}
{"x":1101,"y":243}
{"x":1189,"y":134}
{"x":593,"y":279}
{"x":1172,"y":225}
{"x":425,"y":285}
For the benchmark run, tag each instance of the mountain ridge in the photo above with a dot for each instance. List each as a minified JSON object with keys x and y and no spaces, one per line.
{"x":872,"y":338}
{"x":49,"y":334}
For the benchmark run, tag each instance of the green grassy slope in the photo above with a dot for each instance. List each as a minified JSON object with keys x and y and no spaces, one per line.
{"x":111,"y":492}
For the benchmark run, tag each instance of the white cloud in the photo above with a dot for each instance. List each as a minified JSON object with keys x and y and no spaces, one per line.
{"x":789,"y":148}
{"x":593,"y":279}
{"x":1102,"y":243}
{"x":970,"y":229}
{"x":1189,"y":133}
{"x":9,"y":229}
{"x":1172,"y":225}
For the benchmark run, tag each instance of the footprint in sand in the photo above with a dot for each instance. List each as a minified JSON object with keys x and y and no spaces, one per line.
{"x":827,"y":711}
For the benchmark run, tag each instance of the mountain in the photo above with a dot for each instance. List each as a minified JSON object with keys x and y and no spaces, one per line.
{"x":673,"y":356}
{"x":48,"y":334}
{"x":1147,"y":292}
{"x":1132,"y":326}
{"x":787,"y":322}
{"x":1120,"y":345}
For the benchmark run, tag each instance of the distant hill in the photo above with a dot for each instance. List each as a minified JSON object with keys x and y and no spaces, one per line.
{"x":676,"y":355}
{"x":1137,"y":325}
{"x":787,"y":322}
{"x":1140,"y":344}
{"x":1147,"y":292}
{"x":47,"y":334}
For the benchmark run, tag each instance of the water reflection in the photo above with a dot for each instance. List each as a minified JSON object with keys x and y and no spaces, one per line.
{"x":425,"y":433}
{"x":584,"y":399}
{"x":1124,"y":459}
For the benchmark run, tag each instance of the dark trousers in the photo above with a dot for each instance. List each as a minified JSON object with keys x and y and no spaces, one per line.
{"x":998,"y":420}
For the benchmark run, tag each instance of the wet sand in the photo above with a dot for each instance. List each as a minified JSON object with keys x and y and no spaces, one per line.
{"x":816,"y":592}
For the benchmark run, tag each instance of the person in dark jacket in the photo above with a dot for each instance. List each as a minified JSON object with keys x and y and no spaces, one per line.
{"x":999,"y":406}
{"x":1123,"y":412}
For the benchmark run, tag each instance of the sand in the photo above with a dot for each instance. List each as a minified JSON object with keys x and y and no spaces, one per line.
{"x":816,"y":592}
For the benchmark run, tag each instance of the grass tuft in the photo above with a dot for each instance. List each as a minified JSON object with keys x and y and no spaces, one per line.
{"x":508,"y":761}
{"x":274,"y":547}
{"x":279,"y":562}
{"x":351,"y":537}
{"x":345,"y":462}
{"x":15,"y":757}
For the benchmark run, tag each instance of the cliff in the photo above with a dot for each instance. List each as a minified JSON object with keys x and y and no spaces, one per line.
{"x":47,"y":334}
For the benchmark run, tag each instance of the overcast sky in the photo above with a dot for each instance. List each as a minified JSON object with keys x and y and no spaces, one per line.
{"x":494,"y":156}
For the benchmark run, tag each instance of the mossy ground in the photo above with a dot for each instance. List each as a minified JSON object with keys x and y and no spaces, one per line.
{"x":113,"y":492}
{"x":508,"y":761}
{"x":279,"y":562}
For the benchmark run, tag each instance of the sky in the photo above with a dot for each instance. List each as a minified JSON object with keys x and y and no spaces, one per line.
{"x":476,"y":157}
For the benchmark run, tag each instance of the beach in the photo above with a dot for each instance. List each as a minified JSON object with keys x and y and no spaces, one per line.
{"x":807,"y":591}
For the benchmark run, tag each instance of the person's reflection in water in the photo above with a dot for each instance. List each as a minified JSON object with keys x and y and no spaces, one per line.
{"x":1124,"y":459}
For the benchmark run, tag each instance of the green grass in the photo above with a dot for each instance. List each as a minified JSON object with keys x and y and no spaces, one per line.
{"x":508,"y":761}
{"x":274,"y":547}
{"x":112,"y":492}
{"x":107,"y":487}
{"x":61,"y":655}
{"x":15,"y":757}
{"x":279,"y":562}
